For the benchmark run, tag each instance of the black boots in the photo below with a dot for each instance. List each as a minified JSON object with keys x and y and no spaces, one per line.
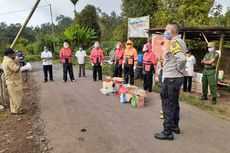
{"x":176,"y":129}
{"x":204,"y":97}
{"x":164,"y":136}
{"x":213,"y":101}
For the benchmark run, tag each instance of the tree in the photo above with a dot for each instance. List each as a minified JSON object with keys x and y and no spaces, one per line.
{"x":88,"y":18}
{"x":184,"y":12}
{"x":78,"y":35}
{"x":63,"y":22}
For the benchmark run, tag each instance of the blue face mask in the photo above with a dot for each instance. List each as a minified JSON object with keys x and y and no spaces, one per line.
{"x":167,"y":35}
{"x":80,"y":49}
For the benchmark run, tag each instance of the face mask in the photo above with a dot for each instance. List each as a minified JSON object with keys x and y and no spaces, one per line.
{"x":80,"y":49}
{"x":167,"y":35}
{"x":188,"y":55}
{"x":211,"y":49}
{"x":144,"y":48}
{"x":118,"y":46}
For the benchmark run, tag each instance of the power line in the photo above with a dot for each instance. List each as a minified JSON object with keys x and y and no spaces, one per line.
{"x":12,"y":12}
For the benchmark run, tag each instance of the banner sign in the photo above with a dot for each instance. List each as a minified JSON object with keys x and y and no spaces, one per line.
{"x":137,"y":27}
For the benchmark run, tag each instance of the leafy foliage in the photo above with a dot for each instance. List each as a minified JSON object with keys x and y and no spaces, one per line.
{"x":78,"y":35}
{"x":88,"y":18}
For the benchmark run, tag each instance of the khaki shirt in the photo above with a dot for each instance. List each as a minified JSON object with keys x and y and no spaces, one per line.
{"x":11,"y":71}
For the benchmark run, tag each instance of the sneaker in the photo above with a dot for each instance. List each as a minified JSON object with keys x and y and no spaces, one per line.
{"x":73,"y":80}
{"x":63,"y":81}
{"x":204,"y":97}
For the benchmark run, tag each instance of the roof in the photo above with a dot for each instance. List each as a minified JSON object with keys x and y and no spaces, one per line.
{"x":211,"y":33}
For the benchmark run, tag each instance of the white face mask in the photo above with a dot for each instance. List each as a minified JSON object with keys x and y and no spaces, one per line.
{"x":118,"y":46}
{"x":211,"y":49}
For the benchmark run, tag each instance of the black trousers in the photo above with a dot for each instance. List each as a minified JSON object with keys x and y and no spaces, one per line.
{"x":46,"y":69}
{"x":187,"y":86}
{"x":97,"y":69}
{"x":118,"y":71}
{"x":67,"y":67}
{"x":170,"y":92}
{"x":129,"y":74}
{"x":148,"y":81}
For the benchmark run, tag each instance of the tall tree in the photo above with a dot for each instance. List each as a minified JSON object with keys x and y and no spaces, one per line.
{"x":88,"y":18}
{"x":185,"y":12}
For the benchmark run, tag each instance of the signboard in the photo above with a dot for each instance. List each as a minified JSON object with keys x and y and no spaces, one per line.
{"x":137,"y":27}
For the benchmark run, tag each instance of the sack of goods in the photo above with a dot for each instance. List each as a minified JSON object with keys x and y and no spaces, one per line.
{"x":108,"y":85}
{"x":27,"y":67}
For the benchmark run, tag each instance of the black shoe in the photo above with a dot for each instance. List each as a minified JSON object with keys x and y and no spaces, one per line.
{"x":213,"y":101}
{"x":51,"y":80}
{"x":45,"y":81}
{"x":163,"y":136}
{"x":79,"y":76}
{"x":204,"y":97}
{"x":176,"y":130}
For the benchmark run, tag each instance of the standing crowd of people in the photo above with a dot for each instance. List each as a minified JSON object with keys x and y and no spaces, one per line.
{"x":177,"y":70}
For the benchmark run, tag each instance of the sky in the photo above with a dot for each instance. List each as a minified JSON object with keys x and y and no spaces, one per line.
{"x":65,"y":7}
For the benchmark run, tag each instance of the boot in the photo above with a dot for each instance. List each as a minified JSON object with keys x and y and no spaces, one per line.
{"x":176,"y":129}
{"x":164,"y":136}
{"x":204,"y":97}
{"x":213,"y":101}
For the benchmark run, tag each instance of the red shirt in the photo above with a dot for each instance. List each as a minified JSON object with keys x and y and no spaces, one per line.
{"x":65,"y":53}
{"x":118,"y":56}
{"x":96,"y":53}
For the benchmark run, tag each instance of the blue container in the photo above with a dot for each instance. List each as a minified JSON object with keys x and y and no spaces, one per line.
{"x":140,"y":58}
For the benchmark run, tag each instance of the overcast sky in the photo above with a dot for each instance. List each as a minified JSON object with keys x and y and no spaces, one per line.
{"x":65,"y":7}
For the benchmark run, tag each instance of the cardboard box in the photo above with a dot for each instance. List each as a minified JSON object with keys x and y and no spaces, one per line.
{"x":140,"y":101}
{"x":108,"y":85}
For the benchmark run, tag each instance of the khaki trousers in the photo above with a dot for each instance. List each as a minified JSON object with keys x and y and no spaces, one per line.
{"x":15,"y":94}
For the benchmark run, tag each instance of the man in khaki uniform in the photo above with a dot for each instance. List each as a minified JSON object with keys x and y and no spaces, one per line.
{"x":13,"y":77}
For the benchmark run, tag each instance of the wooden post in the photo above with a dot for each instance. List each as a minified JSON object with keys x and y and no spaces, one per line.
{"x":220,"y":48}
{"x":24,"y":25}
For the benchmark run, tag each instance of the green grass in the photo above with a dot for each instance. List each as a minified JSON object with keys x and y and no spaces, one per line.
{"x":218,"y":110}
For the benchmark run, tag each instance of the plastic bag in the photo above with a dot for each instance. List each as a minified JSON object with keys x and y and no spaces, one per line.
{"x":134,"y":102}
{"x":123,"y":98}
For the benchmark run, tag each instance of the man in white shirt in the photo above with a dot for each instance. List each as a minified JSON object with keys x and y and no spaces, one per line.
{"x":190,"y":63}
{"x":46,"y":57}
{"x":81,"y":55}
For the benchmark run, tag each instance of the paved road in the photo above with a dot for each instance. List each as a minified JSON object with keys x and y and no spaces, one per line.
{"x":67,"y":108}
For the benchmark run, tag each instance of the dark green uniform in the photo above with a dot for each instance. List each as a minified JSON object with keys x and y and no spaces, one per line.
{"x":209,"y":77}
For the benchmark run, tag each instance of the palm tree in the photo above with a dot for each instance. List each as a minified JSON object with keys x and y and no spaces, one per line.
{"x":74,"y":3}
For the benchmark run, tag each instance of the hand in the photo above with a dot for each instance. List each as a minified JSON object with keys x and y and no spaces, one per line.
{"x":185,"y":73}
{"x":134,"y":68}
{"x":101,"y":64}
{"x":123,"y":66}
{"x":92,"y":64}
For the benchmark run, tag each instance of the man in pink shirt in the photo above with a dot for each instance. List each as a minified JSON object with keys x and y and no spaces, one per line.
{"x":96,"y":58}
{"x":66,"y":59}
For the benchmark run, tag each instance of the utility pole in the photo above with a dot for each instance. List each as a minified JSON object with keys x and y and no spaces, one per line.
{"x":52,"y":26}
{"x":24,"y":25}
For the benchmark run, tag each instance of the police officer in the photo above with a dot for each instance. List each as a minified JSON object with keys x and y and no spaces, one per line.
{"x":173,"y":74}
{"x":149,"y":60}
{"x":209,"y":72}
{"x":12,"y":71}
{"x":129,"y":62}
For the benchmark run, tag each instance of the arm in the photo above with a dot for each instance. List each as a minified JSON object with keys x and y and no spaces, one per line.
{"x":153,"y":59}
{"x":13,"y":66}
{"x":180,"y":62}
{"x":135,"y":57}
